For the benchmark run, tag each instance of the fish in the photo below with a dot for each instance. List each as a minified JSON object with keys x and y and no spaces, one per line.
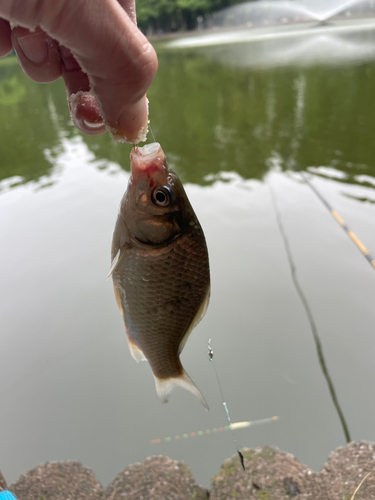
{"x":160,"y":269}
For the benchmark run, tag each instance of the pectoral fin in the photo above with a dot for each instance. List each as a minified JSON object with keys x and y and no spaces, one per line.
{"x":115,"y":262}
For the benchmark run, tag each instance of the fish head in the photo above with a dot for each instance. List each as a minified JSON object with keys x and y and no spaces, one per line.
{"x":155,"y":207}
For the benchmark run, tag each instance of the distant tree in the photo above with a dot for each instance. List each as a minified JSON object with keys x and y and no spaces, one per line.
{"x":158,"y":15}
{"x":173,"y":15}
{"x":190,"y":9}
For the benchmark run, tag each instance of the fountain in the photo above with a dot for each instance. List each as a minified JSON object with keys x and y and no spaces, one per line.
{"x":268,"y":12}
{"x":265,"y":20}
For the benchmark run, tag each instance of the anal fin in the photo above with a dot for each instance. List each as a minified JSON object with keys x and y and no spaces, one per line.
{"x":118,"y":298}
{"x":136,"y":352}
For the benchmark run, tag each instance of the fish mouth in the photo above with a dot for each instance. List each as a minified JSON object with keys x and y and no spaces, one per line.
{"x":148,"y":158}
{"x":147,"y":149}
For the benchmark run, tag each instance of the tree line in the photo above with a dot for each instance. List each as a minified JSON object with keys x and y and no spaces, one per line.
{"x":163,"y":16}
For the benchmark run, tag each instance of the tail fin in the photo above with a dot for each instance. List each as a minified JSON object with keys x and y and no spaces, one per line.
{"x":165,"y":386}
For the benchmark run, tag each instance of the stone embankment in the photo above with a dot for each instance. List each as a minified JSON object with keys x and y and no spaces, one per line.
{"x":349,"y":474}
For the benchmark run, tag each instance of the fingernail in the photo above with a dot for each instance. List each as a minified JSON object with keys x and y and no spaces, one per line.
{"x":34,"y":47}
{"x":132,"y":125}
{"x":85,"y":113}
{"x":93,"y":125}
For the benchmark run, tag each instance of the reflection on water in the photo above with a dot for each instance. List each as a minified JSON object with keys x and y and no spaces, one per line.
{"x":70,"y":386}
{"x":210,"y":114}
{"x":318,"y":48}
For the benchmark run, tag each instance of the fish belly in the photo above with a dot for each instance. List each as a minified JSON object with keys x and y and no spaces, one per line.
{"x":162,"y":291}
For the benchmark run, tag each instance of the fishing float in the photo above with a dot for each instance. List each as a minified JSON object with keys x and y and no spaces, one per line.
{"x":231,"y":427}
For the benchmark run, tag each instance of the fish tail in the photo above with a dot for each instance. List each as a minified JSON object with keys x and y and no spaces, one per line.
{"x":165,"y":386}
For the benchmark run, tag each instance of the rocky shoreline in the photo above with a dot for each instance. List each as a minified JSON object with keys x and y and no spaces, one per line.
{"x":271,"y":474}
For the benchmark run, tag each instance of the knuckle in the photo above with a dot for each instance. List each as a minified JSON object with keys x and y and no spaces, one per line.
{"x":147,"y":64}
{"x":139,"y":70}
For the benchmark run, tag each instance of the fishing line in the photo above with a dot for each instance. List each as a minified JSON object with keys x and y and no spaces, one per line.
{"x":358,"y":243}
{"x":211,"y":359}
{"x":152,"y":133}
{"x":310,"y":318}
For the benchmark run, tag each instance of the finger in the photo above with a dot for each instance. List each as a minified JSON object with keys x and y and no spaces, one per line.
{"x":116,"y":56}
{"x":120,"y":64}
{"x":37,"y":53}
{"x":5,"y":41}
{"x":83,"y":107}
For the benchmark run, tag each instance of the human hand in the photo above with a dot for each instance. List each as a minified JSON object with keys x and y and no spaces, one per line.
{"x":98,"y":50}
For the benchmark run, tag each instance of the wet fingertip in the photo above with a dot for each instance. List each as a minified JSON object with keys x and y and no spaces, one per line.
{"x":132,"y":124}
{"x":120,"y":135}
{"x":85,"y":113}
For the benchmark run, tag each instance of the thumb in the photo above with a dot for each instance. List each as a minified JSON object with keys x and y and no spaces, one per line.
{"x":118,"y":59}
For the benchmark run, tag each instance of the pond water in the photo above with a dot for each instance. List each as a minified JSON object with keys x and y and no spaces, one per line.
{"x":235,"y":128}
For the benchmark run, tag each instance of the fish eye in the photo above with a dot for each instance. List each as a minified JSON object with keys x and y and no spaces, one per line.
{"x":162,"y":196}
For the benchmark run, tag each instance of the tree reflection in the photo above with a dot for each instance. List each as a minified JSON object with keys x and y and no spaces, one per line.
{"x":209,"y":118}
